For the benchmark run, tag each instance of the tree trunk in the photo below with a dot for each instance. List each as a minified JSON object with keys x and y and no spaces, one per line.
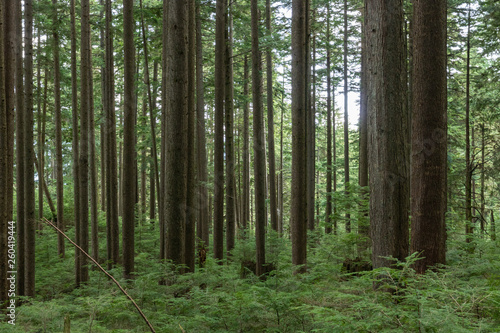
{"x":176,"y":111}
{"x":218,"y":231}
{"x":429,"y":134}
{"x":94,"y":211}
{"x":75,"y":142}
{"x":469,"y":229}
{"x":84,"y":137}
{"x":270,"y":124}
{"x":258,"y":145}
{"x":329,"y":166}
{"x":493,"y":232}
{"x":346,"y":122}
{"x":387,"y":128}
{"x":483,"y":217}
{"x":246,"y":149}
{"x":190,"y":238}
{"x":4,"y":218}
{"x":129,"y":170}
{"x":299,"y":119}
{"x":229,"y":131}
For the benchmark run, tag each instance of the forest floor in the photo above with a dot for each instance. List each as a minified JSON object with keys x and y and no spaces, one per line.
{"x":463,"y":296}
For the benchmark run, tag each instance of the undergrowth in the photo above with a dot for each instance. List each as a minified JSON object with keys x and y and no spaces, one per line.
{"x":463,"y":296}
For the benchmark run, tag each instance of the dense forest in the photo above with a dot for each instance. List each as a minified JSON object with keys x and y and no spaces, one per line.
{"x":249,"y":166}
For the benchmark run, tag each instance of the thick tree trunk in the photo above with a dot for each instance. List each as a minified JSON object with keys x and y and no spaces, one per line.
{"x":429,"y":134}
{"x":387,"y":128}
{"x":258,"y":145}
{"x":246,"y":150}
{"x":346,"y":121}
{"x":299,"y":118}
{"x":218,"y":231}
{"x":329,"y":166}
{"x":176,"y":111}
{"x":29,"y":172}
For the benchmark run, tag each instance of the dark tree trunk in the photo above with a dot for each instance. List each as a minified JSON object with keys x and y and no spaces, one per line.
{"x":429,"y":134}
{"x":176,"y":111}
{"x":4,"y":218}
{"x":246,"y":150}
{"x":218,"y":231}
{"x":469,"y":228}
{"x":299,"y":118}
{"x":129,"y":178}
{"x":229,"y":129}
{"x":329,"y":166}
{"x":84,"y":137}
{"x":94,"y":211}
{"x":258,"y":145}
{"x":270,"y":125}
{"x":387,"y":128}
{"x":493,"y":232}
{"x":346,"y":122}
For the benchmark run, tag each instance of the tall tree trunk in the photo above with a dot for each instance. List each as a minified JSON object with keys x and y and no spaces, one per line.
{"x":483,"y":217}
{"x":387,"y":128}
{"x":29,"y":172}
{"x":41,"y":142}
{"x":218,"y":229}
{"x":203,"y":217}
{"x":112,"y":227}
{"x":129,"y":170}
{"x":258,"y":145}
{"x":20,"y":146}
{"x":246,"y":149}
{"x":299,"y":118}
{"x":329,"y":166}
{"x":280,"y":192}
{"x":229,"y":131}
{"x":84,"y":137}
{"x":190,"y":238}
{"x":270,"y":124}
{"x":429,"y":127}
{"x":176,"y":110}
{"x":94,"y":200}
{"x":493,"y":232}
{"x":75,"y":142}
{"x":58,"y":131}
{"x":346,"y":121}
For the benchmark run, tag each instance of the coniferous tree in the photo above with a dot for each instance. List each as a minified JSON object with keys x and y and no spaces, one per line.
{"x":429,"y":125}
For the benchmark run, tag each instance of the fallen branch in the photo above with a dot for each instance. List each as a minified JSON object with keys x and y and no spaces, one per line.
{"x":104,"y":271}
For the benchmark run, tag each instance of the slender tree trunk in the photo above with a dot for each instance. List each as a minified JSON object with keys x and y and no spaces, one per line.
{"x":299,"y":118}
{"x":218,"y":231}
{"x":258,"y":144}
{"x":94,"y":193}
{"x":20,"y":146}
{"x":270,"y":125}
{"x":39,"y":109}
{"x":493,"y":232}
{"x":129,"y":178}
{"x":190,"y":238}
{"x":280,"y":192}
{"x":203,"y":217}
{"x":311,"y":134}
{"x":75,"y":142}
{"x":29,"y":173}
{"x":346,"y":121}
{"x":329,"y":166}
{"x":387,"y":128}
{"x":483,"y":217}
{"x":429,"y":127}
{"x":84,"y":137}
{"x":58,"y":131}
{"x":229,"y":131}
{"x":246,"y":148}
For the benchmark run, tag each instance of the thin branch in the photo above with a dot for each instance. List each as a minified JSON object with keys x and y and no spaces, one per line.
{"x":104,"y":271}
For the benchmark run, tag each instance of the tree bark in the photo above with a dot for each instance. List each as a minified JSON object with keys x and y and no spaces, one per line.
{"x":346,"y":122}
{"x":129,"y":170}
{"x":387,"y":128}
{"x":258,"y":144}
{"x":176,"y":110}
{"x":3,"y":163}
{"x":469,"y":227}
{"x":218,"y":230}
{"x":429,"y":134}
{"x":246,"y":149}
{"x":299,"y":118}
{"x":329,"y":166}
